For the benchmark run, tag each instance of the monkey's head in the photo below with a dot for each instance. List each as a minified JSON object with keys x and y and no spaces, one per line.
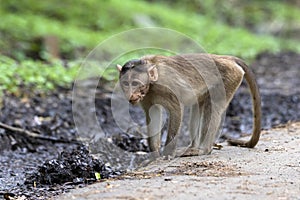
{"x":135,"y":79}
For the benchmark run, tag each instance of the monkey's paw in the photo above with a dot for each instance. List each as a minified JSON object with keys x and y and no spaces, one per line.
{"x":187,"y":152}
{"x":217,"y":146}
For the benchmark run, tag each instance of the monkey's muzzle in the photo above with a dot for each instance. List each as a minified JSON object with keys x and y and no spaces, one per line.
{"x":136,"y":98}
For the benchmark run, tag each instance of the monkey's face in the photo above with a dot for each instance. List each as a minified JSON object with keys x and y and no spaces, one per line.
{"x":135,"y":85}
{"x":135,"y":78}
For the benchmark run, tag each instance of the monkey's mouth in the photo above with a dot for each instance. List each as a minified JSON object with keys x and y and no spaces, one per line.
{"x":136,"y":99}
{"x":134,"y":102}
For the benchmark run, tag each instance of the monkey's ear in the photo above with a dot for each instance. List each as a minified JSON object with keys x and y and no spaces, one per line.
{"x":153,"y":73}
{"x":119,"y":67}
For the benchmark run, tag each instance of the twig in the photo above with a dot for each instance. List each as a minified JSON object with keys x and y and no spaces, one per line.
{"x":35,"y":135}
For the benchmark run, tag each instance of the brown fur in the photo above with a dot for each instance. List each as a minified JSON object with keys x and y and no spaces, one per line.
{"x":205,"y":82}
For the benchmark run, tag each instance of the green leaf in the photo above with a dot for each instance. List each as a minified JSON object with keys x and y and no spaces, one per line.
{"x":97,"y":175}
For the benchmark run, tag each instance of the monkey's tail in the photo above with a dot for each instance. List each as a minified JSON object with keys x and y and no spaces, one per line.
{"x":256,"y":108}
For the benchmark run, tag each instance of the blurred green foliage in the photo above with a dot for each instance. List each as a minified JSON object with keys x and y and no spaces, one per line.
{"x":242,"y":28}
{"x":256,"y":15}
{"x":35,"y":75}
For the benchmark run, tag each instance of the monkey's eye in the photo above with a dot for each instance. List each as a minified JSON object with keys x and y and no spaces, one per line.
{"x":125,"y":83}
{"x":135,"y":83}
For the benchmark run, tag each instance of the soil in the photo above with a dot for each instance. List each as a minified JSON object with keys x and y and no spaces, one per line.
{"x":42,"y":167}
{"x":230,"y":173}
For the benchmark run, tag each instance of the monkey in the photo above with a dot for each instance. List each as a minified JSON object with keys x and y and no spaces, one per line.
{"x":204,"y":82}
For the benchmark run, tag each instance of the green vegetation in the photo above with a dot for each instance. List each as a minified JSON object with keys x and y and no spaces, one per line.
{"x":35,"y":75}
{"x":224,"y":27}
{"x":253,"y":15}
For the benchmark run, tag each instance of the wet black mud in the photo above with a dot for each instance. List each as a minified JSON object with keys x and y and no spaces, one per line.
{"x":37,"y":168}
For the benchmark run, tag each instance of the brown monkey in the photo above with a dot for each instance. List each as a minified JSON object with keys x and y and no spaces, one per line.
{"x":204,"y":82}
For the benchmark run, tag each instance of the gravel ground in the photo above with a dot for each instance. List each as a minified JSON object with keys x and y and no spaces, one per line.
{"x":269,"y":171}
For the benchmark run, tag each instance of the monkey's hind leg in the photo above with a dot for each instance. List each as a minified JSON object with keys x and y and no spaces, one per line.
{"x":203,"y":138}
{"x":194,"y":128}
{"x":211,"y":123}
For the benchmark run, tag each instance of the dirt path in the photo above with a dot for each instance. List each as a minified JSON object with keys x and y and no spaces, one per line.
{"x":270,"y":171}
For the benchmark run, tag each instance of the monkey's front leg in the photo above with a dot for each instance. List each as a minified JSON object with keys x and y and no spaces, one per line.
{"x":175,"y":119}
{"x":154,"y":125}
